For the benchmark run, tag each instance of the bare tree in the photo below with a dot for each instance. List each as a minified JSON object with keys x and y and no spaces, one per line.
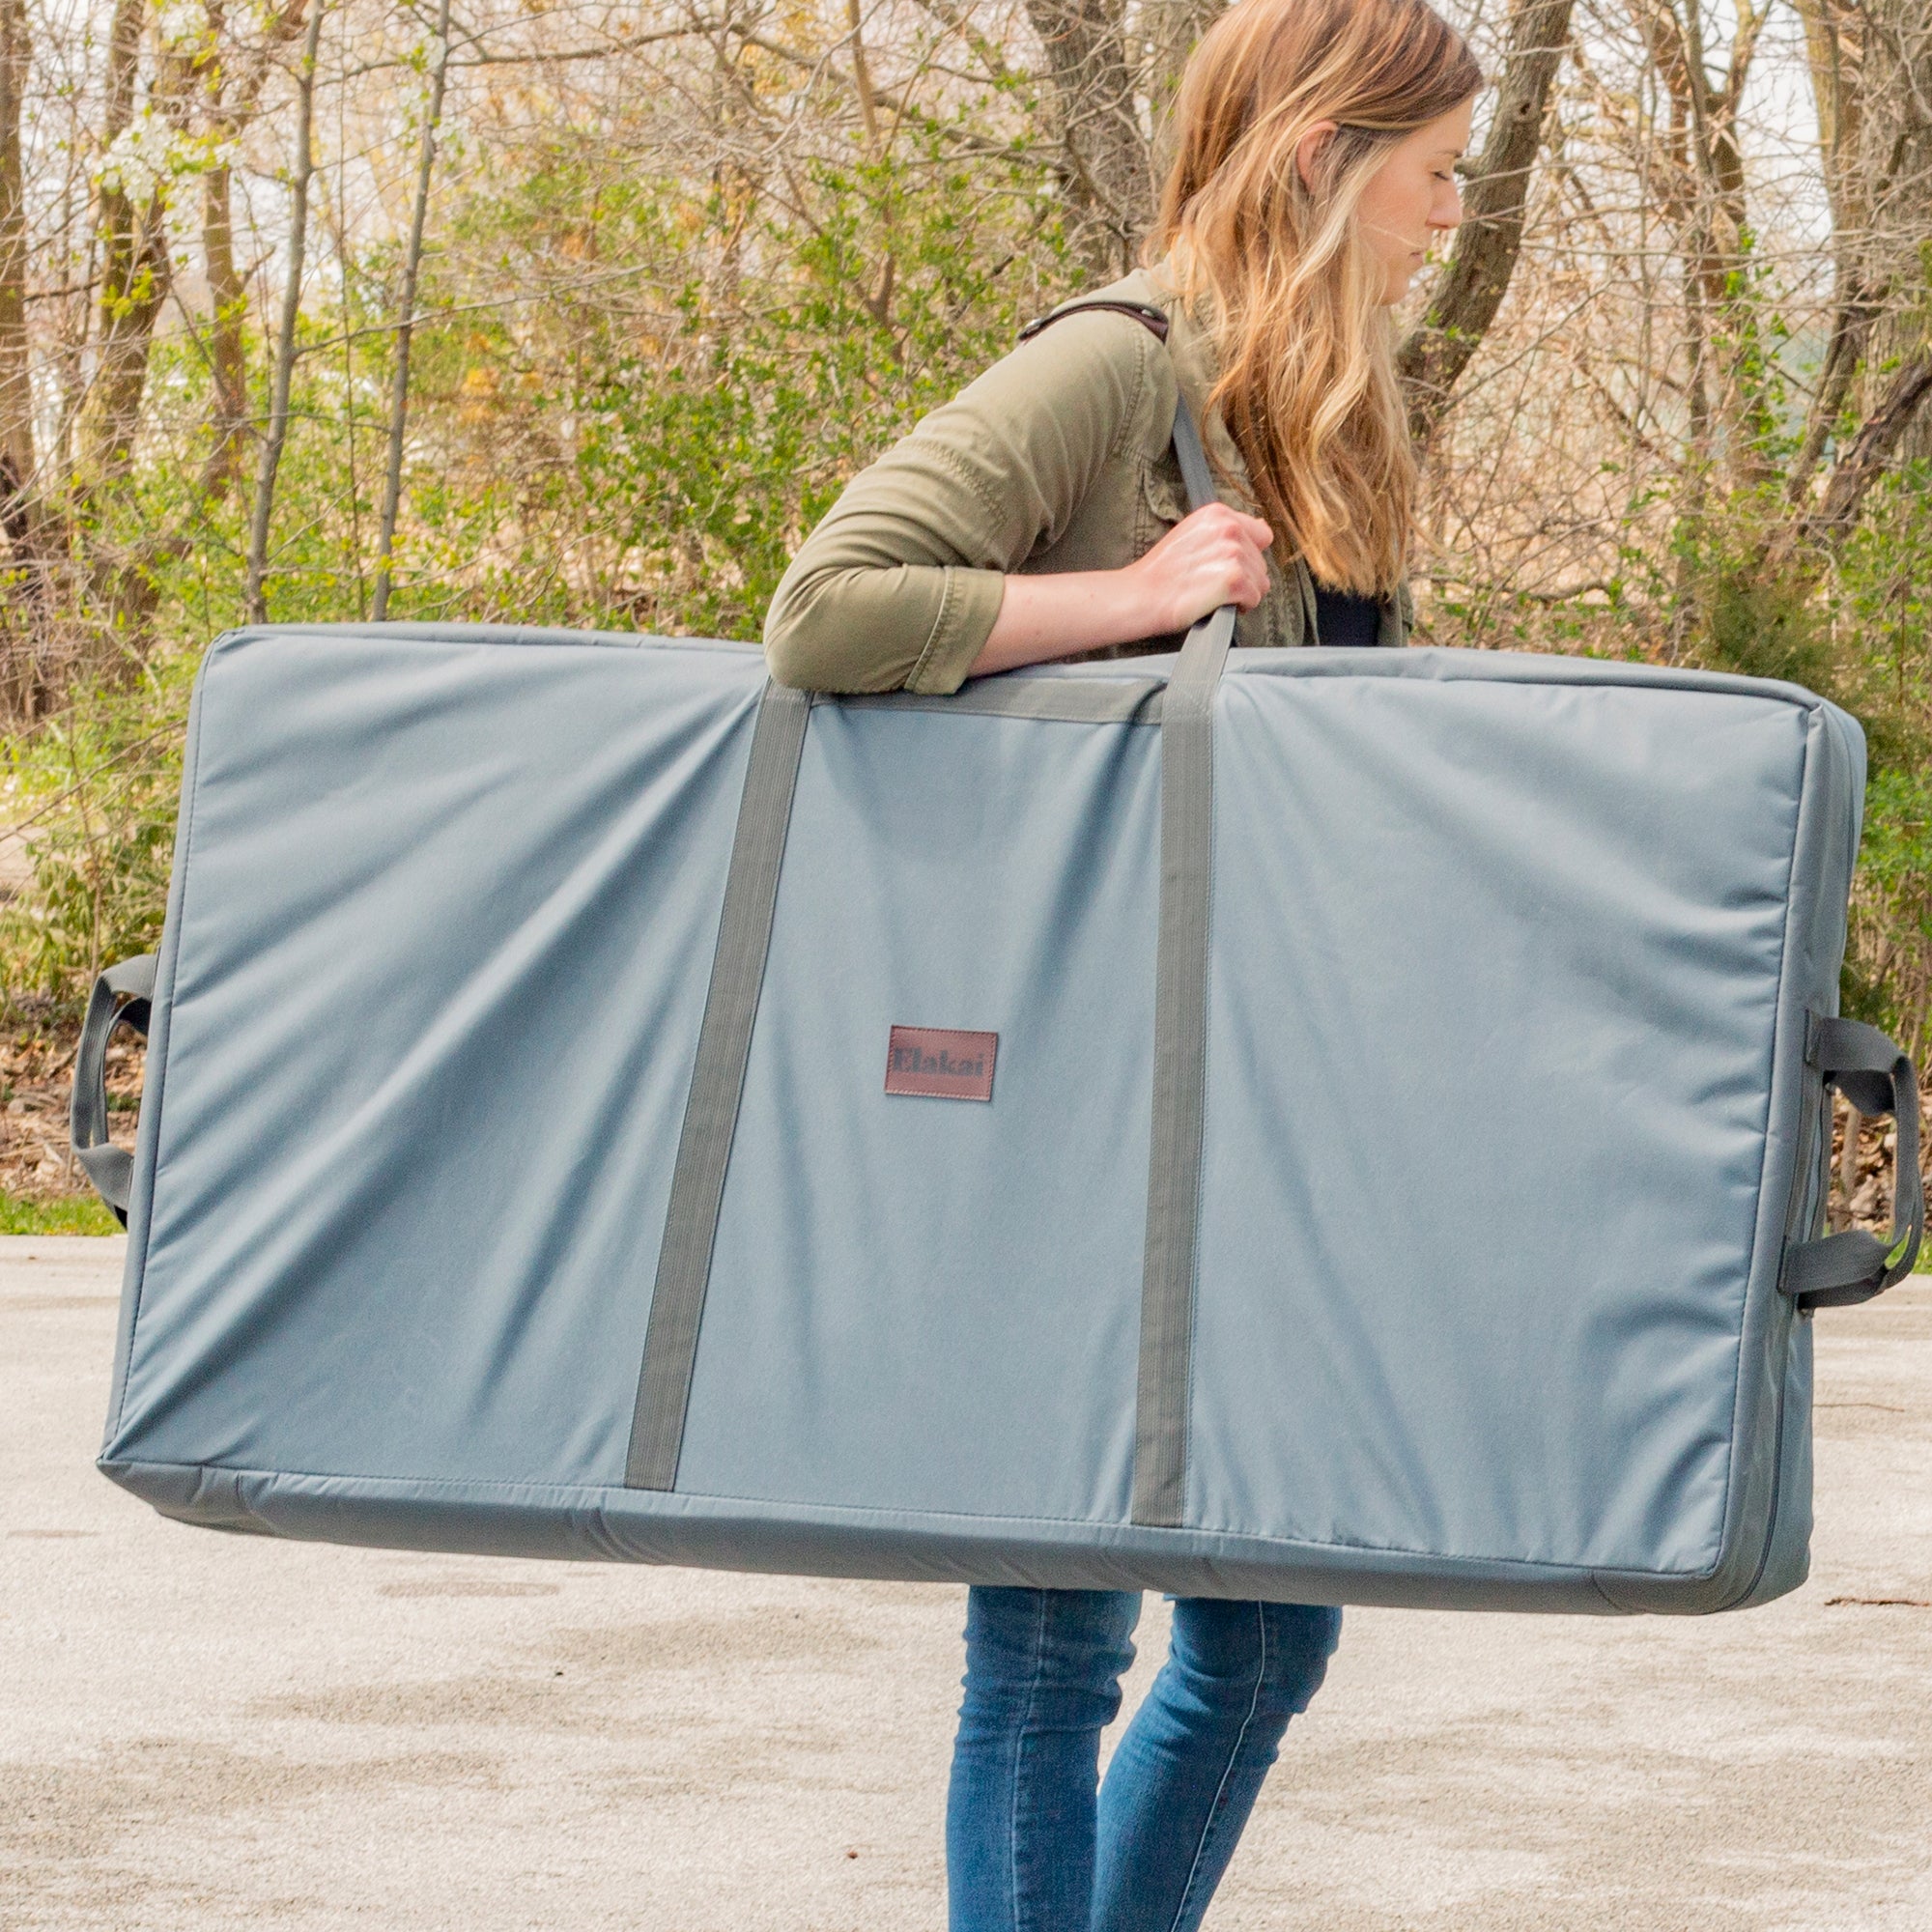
{"x":17,"y":396}
{"x":134,"y":274}
{"x":286,"y":328}
{"x":1894,"y":150}
{"x":405,"y":307}
{"x":227,"y":90}
{"x":1867,"y":454}
{"x":1870,"y":64}
{"x":1170,"y":28}
{"x":1835,"y":45}
{"x":1105,"y":163}
{"x":1464,"y":302}
{"x":204,"y":93}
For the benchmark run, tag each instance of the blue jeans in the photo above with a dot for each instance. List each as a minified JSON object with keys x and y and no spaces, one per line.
{"x":1029,"y":1848}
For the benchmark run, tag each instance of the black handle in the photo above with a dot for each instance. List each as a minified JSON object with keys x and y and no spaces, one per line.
{"x":1876,"y":1078}
{"x":123,"y":996}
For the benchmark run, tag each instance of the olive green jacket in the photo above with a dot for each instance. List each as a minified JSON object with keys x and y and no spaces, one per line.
{"x":1059,"y":457}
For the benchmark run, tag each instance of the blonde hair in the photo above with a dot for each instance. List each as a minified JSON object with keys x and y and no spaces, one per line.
{"x":1308,"y":388}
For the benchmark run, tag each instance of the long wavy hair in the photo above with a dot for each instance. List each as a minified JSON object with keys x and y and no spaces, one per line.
{"x":1308,"y":388}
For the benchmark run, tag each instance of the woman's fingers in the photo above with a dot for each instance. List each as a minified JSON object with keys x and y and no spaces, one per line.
{"x":1214,"y":556}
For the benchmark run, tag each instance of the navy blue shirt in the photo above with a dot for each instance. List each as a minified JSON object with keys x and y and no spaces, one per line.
{"x":1343,"y":619}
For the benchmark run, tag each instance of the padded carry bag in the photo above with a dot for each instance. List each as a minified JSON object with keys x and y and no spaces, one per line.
{"x":1322,"y":1125}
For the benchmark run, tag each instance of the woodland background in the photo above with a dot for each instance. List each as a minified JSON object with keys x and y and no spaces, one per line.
{"x":565,"y":311}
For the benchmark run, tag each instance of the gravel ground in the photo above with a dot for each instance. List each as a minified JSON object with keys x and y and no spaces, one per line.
{"x":199,"y":1731}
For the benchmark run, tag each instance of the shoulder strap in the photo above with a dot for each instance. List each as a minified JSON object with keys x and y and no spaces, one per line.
{"x":1193,"y":459}
{"x":1145,"y":313}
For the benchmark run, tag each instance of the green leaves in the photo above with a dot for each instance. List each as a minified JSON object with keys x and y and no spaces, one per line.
{"x":92,"y":795}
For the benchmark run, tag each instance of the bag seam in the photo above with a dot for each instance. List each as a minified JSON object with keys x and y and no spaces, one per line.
{"x":1732,"y":1493}
{"x":563,"y":1491}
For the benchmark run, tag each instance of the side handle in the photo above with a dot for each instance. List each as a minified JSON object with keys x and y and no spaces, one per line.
{"x":123,"y":996}
{"x":1876,"y":1078}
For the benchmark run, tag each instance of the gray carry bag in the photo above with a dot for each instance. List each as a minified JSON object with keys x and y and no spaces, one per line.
{"x":1322,"y":1125}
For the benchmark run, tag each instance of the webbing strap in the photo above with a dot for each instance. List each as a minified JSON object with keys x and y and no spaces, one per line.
{"x":122,"y":996}
{"x":1067,"y":700}
{"x":1180,"y":1055}
{"x":1839,"y":1271}
{"x":1180,"y":1041}
{"x":1858,"y":1059}
{"x":717,"y":1086}
{"x":1194,"y":471}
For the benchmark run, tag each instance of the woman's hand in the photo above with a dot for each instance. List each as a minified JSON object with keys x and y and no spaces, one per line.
{"x":1213,"y":556}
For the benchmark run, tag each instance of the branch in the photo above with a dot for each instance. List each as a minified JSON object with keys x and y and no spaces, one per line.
{"x":1464,"y":302}
{"x":1850,"y":329}
{"x":1858,"y":311}
{"x":285,"y":334}
{"x":604,"y":51}
{"x":1097,"y":124}
{"x":959,"y":22}
{"x":1751,"y":24}
{"x":1871,"y":451}
{"x":862,"y":74}
{"x":399,"y":397}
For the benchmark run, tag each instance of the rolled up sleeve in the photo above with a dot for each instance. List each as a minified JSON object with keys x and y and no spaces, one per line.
{"x":899,"y":586}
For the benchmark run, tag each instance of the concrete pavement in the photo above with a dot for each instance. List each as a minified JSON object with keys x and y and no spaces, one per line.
{"x":200,"y":1731}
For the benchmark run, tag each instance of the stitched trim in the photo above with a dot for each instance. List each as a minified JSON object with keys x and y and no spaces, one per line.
{"x":1019,"y":1753}
{"x":962,"y":471}
{"x":1147,"y":527}
{"x":1181,"y":1912}
{"x":938,"y":631}
{"x":494,"y":636}
{"x":1134,"y":426}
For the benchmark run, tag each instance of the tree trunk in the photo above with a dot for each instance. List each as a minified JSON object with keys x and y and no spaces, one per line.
{"x":1871,"y":79}
{"x":136,"y":274}
{"x":1898,"y":413}
{"x":228,"y":303}
{"x":1725,"y":264}
{"x":1895,"y":162}
{"x":1704,"y":200}
{"x":1464,"y":302}
{"x":1108,"y":172}
{"x":1834,"y":54}
{"x":285,"y":333}
{"x":399,"y":398}
{"x":17,"y":402}
{"x":134,"y":271}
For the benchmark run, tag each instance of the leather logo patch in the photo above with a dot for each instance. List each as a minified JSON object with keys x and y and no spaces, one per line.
{"x":941,"y":1062}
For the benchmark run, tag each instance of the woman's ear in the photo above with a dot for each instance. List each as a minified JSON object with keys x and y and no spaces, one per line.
{"x":1308,"y":150}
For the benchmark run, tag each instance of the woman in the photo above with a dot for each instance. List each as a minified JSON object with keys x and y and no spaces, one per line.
{"x":1040,"y":515}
